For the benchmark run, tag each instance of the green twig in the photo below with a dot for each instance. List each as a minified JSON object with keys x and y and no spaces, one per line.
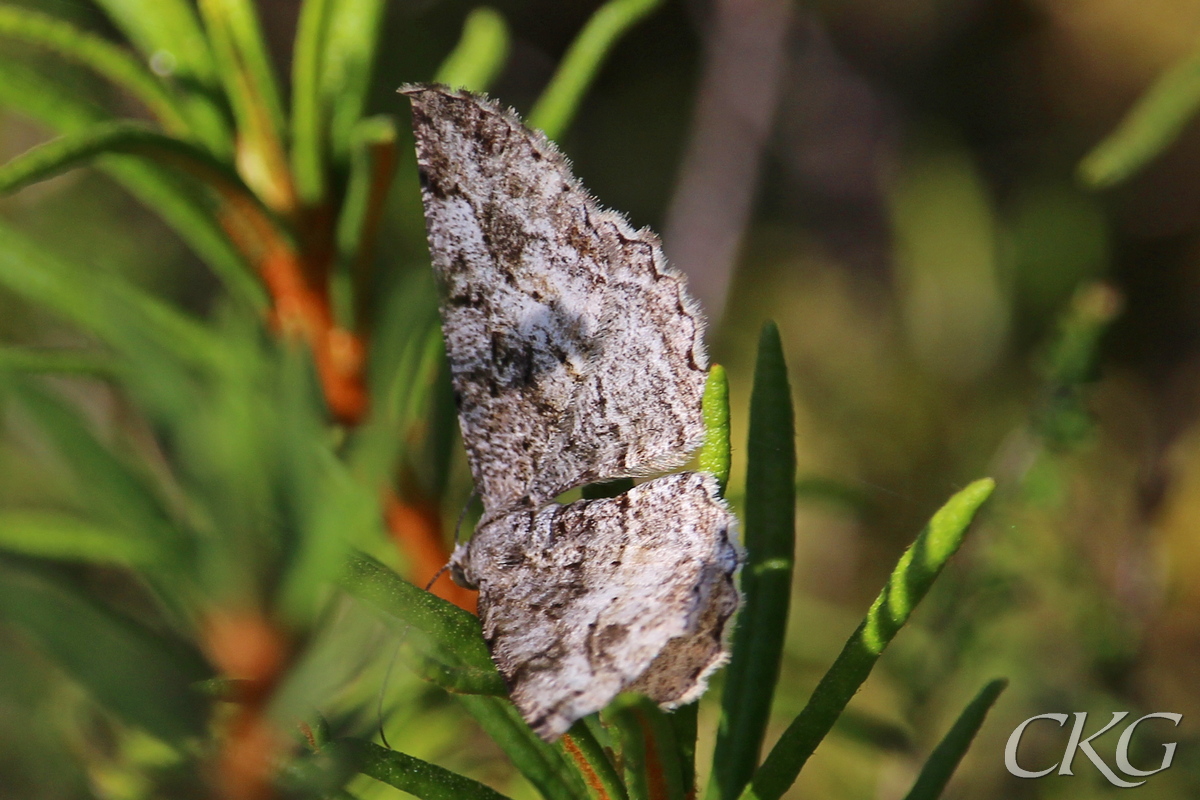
{"x":556,"y":107}
{"x":167,"y":31}
{"x":767,"y":576}
{"x":372,"y":167}
{"x":543,"y":765}
{"x":479,"y":55}
{"x":452,"y":629}
{"x":1154,"y":122}
{"x":143,"y":676}
{"x":949,"y":752}
{"x":309,"y":112}
{"x":419,"y":778}
{"x":351,"y":41}
{"x":910,"y":580}
{"x":716,"y":453}
{"x":65,"y":362}
{"x":72,"y":150}
{"x":112,"y":309}
{"x":253,"y":92}
{"x":595,"y":765}
{"x":182,"y":205}
{"x":96,"y":53}
{"x":456,"y":679}
{"x":66,"y":537}
{"x":652,"y":757}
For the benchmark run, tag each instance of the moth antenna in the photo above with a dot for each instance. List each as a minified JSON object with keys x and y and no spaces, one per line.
{"x":387,"y":675}
{"x":383,"y":687}
{"x":462,"y":516}
{"x":436,"y":575}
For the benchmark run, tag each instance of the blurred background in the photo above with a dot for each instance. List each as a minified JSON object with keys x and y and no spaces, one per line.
{"x":895,"y":184}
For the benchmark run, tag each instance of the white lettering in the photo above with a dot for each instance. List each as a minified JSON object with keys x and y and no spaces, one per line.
{"x":1127,"y":735}
{"x":1010,"y":749}
{"x":1075,"y":743}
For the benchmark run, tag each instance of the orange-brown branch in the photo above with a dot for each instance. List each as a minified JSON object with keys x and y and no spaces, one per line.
{"x":656,"y":779}
{"x":301,"y":307}
{"x":246,"y":647}
{"x":585,"y":769}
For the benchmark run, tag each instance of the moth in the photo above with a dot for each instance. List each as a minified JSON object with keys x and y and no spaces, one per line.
{"x":577,"y":357}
